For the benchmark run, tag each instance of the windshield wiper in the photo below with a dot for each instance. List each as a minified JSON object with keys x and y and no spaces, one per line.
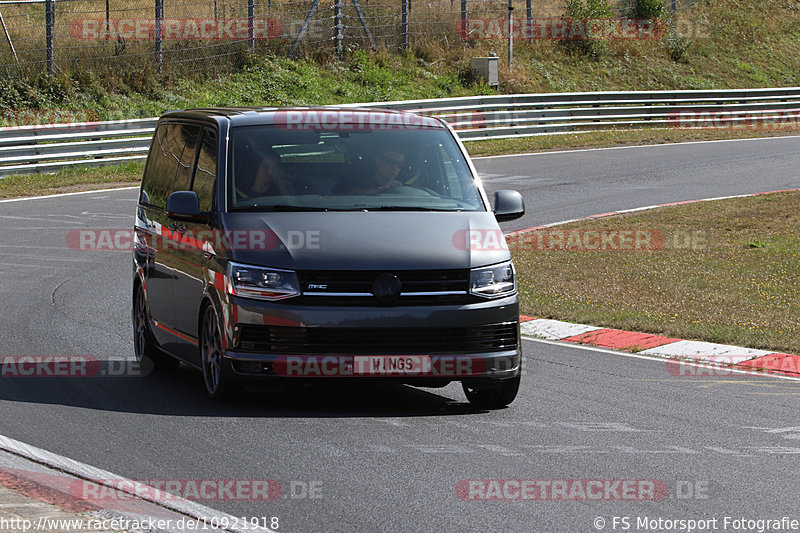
{"x":280,"y":207}
{"x":403,"y":208}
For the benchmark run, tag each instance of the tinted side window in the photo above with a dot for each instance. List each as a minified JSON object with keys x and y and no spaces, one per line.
{"x":173,"y":146}
{"x":161,"y":166}
{"x":206,"y":172}
{"x":188,"y":135}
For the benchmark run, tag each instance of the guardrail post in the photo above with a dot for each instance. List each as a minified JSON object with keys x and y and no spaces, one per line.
{"x":404,"y":23}
{"x":50,"y":21}
{"x":159,"y":24}
{"x":251,"y":13}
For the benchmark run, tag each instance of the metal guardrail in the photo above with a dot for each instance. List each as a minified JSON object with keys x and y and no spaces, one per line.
{"x":28,"y":149}
{"x":49,"y":147}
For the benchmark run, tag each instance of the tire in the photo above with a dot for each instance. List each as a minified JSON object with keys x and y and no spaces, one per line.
{"x":492,"y":396}
{"x":145,"y":350}
{"x":217,"y":377}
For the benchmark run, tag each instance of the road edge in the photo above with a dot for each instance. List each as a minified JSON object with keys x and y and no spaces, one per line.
{"x":115,"y":482}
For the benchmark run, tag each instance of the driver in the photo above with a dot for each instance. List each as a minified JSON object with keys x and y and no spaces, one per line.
{"x":386,"y":166}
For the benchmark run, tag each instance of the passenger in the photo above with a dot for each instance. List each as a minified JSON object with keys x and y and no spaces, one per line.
{"x":269,"y":179}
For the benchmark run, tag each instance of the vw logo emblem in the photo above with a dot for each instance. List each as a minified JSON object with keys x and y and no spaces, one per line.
{"x":386,"y":287}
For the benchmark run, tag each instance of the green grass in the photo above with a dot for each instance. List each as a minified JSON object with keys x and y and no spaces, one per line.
{"x":71,"y":180}
{"x":739,"y":45}
{"x":266,"y":80}
{"x":728,"y":272}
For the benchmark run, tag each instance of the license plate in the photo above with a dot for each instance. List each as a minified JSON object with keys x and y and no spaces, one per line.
{"x":398,"y":365}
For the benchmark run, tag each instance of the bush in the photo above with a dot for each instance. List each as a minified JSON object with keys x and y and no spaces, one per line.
{"x":649,"y":9}
{"x":588,"y":9}
{"x":678,"y":46}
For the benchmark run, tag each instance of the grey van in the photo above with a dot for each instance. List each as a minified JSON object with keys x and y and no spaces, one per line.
{"x":298,"y":244}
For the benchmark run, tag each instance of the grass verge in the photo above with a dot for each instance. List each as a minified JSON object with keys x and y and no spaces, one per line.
{"x":72,"y":180}
{"x":726,"y":271}
{"x":602,"y":139}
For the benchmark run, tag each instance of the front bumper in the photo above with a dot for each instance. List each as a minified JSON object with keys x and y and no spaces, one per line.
{"x":400,"y":360}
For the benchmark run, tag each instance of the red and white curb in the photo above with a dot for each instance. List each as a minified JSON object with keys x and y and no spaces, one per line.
{"x":656,"y":345}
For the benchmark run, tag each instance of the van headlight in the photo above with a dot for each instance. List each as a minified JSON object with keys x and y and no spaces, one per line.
{"x":262,"y":283}
{"x":493,"y":281}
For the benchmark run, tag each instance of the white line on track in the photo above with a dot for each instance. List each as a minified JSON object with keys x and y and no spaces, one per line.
{"x":66,"y":194}
{"x":55,"y":222}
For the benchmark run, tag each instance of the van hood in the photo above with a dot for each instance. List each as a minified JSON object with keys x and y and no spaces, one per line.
{"x":366,"y":240}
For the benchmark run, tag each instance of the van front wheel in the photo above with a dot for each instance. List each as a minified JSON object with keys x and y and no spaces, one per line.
{"x":492,"y":396}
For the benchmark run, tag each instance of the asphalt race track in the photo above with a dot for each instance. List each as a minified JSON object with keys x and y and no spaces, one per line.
{"x":390,"y":458}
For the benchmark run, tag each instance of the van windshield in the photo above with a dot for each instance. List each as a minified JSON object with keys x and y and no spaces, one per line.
{"x":414,"y":169}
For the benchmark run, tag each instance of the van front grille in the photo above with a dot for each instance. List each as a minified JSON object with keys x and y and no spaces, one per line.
{"x":417,"y":287}
{"x":380,"y":341}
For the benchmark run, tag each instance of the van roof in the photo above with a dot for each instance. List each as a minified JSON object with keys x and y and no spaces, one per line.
{"x":269,"y":115}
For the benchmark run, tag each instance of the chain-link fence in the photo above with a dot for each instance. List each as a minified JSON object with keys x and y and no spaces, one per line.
{"x":52,"y":35}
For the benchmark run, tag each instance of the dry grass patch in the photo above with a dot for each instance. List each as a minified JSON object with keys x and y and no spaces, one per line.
{"x":728,"y":272}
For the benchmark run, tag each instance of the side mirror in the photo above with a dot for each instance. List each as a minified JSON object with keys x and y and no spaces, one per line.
{"x":185,"y":206}
{"x":508,"y":205}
